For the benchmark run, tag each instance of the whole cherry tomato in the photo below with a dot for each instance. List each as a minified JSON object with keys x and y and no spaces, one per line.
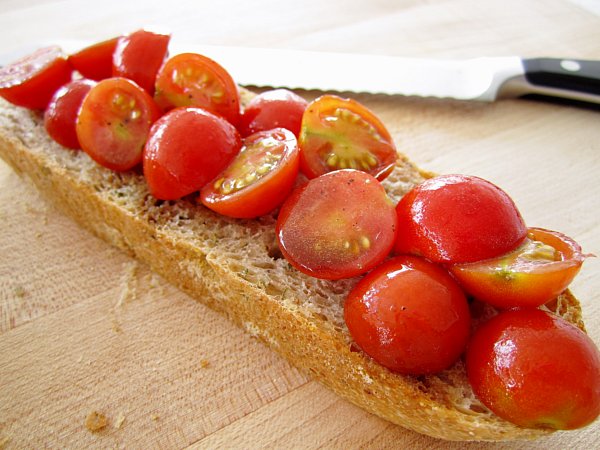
{"x":31,"y":81}
{"x":340,"y":133}
{"x":187,"y":148}
{"x":339,"y":225}
{"x":533,"y":274}
{"x":535,"y":369}
{"x":139,"y":55}
{"x":190,"y":79}
{"x":113,"y":123}
{"x":409,"y":315}
{"x":95,"y":62}
{"x":273,"y":109}
{"x":259,"y":178}
{"x":458,"y":218}
{"x":61,"y":114}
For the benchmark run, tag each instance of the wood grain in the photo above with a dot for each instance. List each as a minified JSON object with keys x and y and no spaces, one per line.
{"x":84,"y":328}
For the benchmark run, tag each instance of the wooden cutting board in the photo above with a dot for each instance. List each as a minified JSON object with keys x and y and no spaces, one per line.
{"x":84,"y":328}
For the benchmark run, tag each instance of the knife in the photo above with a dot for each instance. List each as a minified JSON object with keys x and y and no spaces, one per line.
{"x":480,"y":79}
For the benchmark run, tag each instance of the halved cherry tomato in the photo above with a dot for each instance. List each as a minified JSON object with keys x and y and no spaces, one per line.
{"x":139,"y":55}
{"x":61,"y":114}
{"x":187,"y":148}
{"x":278,"y":108}
{"x":533,"y":274}
{"x":113,"y":123}
{"x":259,"y":178}
{"x":458,"y":218}
{"x":95,"y":62}
{"x":338,"y":225}
{"x":340,"y":133}
{"x":535,"y":369}
{"x":190,"y":79}
{"x":409,"y":315}
{"x":31,"y":81}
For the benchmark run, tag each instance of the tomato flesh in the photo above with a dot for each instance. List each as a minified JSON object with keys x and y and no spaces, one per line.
{"x":61,"y":114}
{"x":458,"y":218}
{"x":187,"y":148}
{"x":278,"y":108}
{"x":533,"y":274}
{"x":31,"y":81}
{"x":338,"y":225}
{"x":259,"y":178}
{"x":190,"y":79}
{"x":139,"y":55}
{"x":95,"y":61}
{"x":340,"y":133}
{"x":535,"y":369}
{"x":113,"y":123}
{"x":409,"y":315}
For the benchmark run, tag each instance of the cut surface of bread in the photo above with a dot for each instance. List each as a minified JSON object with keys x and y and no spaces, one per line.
{"x":234,"y":267}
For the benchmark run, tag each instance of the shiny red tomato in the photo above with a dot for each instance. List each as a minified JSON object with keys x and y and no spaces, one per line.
{"x":273,"y":109}
{"x":339,"y":225}
{"x":31,"y":81}
{"x":409,"y":315}
{"x":95,"y":62}
{"x":187,"y":148}
{"x":190,"y":79}
{"x":113,"y":123}
{"x":340,"y":133}
{"x":458,"y":218}
{"x":61,"y":114}
{"x":533,"y":274}
{"x":259,"y":178}
{"x":139,"y":55}
{"x":535,"y":369}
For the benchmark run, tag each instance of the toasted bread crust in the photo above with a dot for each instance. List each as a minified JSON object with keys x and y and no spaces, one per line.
{"x":233,"y":266}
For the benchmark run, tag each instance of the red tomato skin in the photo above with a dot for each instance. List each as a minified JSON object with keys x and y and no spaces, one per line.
{"x":320,"y":217}
{"x":169,"y":94}
{"x":60,"y":116}
{"x":409,"y":315}
{"x":95,"y":62}
{"x":187,"y":148}
{"x":529,"y":285}
{"x":267,"y":194}
{"x":273,"y":109}
{"x":536,"y":370}
{"x":139,"y":55}
{"x":31,"y":81}
{"x":95,"y":125}
{"x":456,"y":219}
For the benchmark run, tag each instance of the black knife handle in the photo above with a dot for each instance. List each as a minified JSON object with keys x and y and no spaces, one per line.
{"x":572,"y":74}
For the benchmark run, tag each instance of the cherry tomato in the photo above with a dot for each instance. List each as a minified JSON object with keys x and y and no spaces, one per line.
{"x":341,"y":133}
{"x":458,"y":218}
{"x":535,"y":369}
{"x":31,"y":81}
{"x":113,"y":123}
{"x":259,"y":178}
{"x":61,"y":114}
{"x":338,"y":225}
{"x":189,"y":79}
{"x":95,"y":62}
{"x":409,"y":315}
{"x":139,"y":55}
{"x":187,"y":148}
{"x":273,"y":109}
{"x":533,"y":274}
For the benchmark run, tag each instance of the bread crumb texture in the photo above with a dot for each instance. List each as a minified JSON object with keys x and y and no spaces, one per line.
{"x":235,"y":267}
{"x":95,"y":421}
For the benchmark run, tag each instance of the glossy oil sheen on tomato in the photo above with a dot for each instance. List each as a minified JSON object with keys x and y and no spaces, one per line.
{"x":338,"y":225}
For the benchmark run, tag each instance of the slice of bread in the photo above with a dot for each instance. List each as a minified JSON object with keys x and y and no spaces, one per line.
{"x":234,"y":267}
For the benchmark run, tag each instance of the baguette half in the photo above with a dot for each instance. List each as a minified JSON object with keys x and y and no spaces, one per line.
{"x":234,"y":267}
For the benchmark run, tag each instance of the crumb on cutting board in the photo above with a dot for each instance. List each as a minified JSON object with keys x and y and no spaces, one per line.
{"x":120,"y":420}
{"x":95,"y":421}
{"x":204,"y":363}
{"x":4,"y":441}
